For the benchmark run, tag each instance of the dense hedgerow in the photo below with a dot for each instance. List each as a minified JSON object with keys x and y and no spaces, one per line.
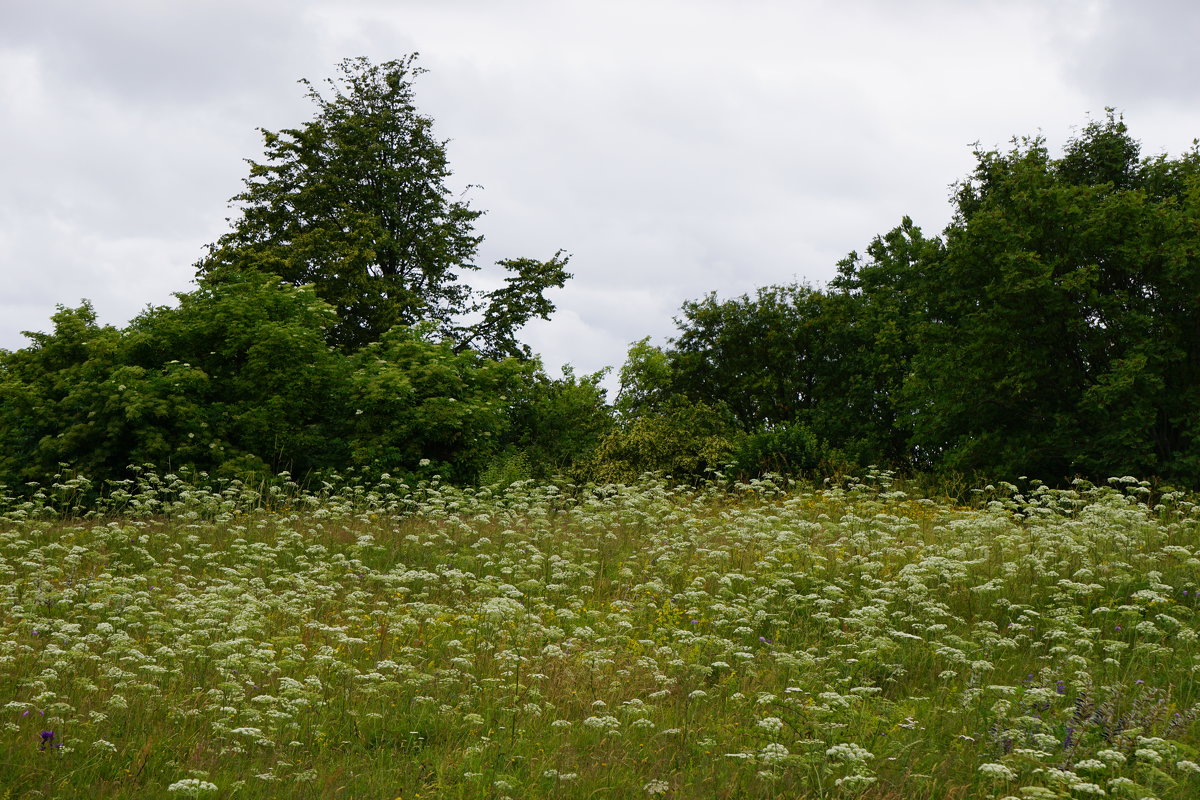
{"x":619,"y":641}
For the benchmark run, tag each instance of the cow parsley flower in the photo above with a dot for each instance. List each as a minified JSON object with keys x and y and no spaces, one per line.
{"x":998,"y":772}
{"x":773,"y":753}
{"x":771,"y":724}
{"x":849,"y":752}
{"x":854,"y":783}
{"x":192,"y":787}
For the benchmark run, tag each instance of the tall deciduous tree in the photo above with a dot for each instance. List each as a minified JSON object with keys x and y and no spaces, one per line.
{"x":874,"y":310}
{"x":356,"y":203}
{"x":1064,"y":315}
{"x":761,"y":356}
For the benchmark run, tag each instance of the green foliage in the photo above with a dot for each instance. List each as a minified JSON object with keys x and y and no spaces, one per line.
{"x":347,"y":236}
{"x":1059,"y":338}
{"x":682,"y":439}
{"x":52,"y":393}
{"x":506,"y":309}
{"x":1053,"y":331}
{"x":647,"y":381}
{"x":659,"y":428}
{"x":875,"y":308}
{"x":557,"y":423}
{"x":812,"y":375}
{"x":506,"y":469}
{"x":238,"y":380}
{"x":412,"y":399}
{"x":265,"y":388}
{"x":355,"y":202}
{"x":762,"y":356}
{"x":786,"y":450}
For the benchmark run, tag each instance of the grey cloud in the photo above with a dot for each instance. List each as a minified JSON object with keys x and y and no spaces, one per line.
{"x":1140,"y":54}
{"x":674,"y":148}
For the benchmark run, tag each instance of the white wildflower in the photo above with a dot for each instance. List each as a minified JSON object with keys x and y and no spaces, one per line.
{"x":606,"y":722}
{"x":854,"y":783}
{"x":1146,"y":754}
{"x":849,"y":752}
{"x":771,"y":724}
{"x":997,"y":772}
{"x":656,"y":787}
{"x":773,"y":753}
{"x":192,"y":787}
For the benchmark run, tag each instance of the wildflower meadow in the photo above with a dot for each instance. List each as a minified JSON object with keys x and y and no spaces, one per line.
{"x":162,"y":638}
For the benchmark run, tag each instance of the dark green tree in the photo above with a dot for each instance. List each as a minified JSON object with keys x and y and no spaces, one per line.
{"x":239,"y":375}
{"x":762,"y":356}
{"x":874,"y":309}
{"x":356,"y":203}
{"x":57,"y":403}
{"x":810,"y":376}
{"x":415,"y":401}
{"x":1063,"y":326}
{"x":558,"y":422}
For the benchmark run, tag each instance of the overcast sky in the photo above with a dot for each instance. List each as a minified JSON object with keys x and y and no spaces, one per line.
{"x":673,"y":147}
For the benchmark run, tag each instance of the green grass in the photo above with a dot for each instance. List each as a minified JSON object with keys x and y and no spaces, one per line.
{"x":536,"y":642}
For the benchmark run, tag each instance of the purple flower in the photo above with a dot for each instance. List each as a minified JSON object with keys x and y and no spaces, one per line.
{"x":48,"y":740}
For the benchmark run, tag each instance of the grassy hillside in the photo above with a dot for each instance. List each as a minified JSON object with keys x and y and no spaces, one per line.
{"x":429,"y":642}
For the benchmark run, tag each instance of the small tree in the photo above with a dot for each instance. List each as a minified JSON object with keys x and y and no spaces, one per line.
{"x":355,"y":203}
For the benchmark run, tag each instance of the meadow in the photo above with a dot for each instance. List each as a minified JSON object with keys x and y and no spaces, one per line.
{"x":745,"y":641}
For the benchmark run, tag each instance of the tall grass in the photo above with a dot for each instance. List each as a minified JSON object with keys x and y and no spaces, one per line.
{"x":395,"y":641}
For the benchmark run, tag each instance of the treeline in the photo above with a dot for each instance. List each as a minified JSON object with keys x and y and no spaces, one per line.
{"x":331,"y":330}
{"x":239,"y":381}
{"x":1052,"y":330}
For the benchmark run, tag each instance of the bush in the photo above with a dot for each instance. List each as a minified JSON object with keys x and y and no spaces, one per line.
{"x":791,"y":449}
{"x":684,"y":440}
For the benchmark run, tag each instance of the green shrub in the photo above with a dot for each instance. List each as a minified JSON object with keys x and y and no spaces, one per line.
{"x":684,"y":440}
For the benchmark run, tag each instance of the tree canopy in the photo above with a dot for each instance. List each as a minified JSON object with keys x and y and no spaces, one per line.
{"x":1053,"y":330}
{"x":356,"y":203}
{"x":1063,"y":330}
